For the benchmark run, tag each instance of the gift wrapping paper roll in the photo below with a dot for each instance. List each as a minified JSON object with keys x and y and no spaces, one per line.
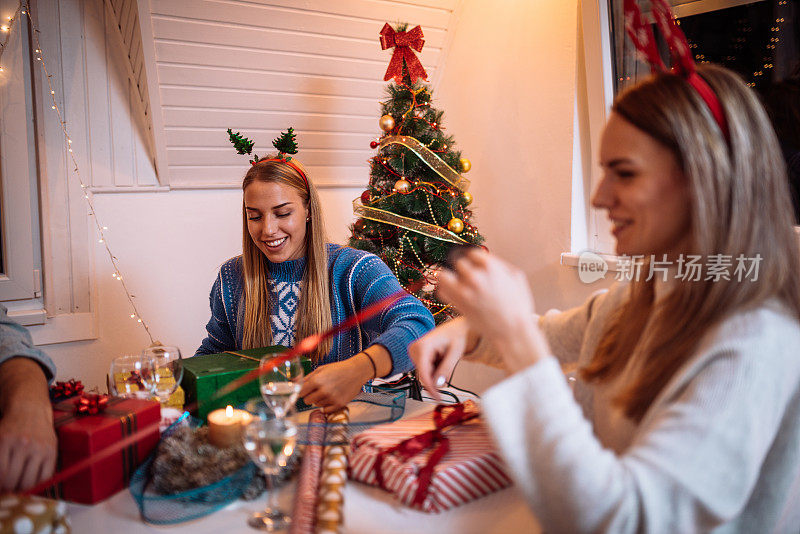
{"x":305,"y":498}
{"x":330,"y":504}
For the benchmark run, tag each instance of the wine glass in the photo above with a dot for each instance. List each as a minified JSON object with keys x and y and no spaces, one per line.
{"x":270,"y":443}
{"x":280,"y":384}
{"x":132,"y":376}
{"x":169,"y":370}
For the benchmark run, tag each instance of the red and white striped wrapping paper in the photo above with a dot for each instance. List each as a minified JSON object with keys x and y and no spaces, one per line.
{"x":470,"y":469}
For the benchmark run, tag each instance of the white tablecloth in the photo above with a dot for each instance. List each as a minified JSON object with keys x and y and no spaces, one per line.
{"x":367,"y":510}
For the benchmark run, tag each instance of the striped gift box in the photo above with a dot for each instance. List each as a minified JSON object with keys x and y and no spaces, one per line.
{"x":469,"y":470}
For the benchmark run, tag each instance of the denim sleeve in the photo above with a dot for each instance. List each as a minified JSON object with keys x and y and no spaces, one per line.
{"x":15,"y":341}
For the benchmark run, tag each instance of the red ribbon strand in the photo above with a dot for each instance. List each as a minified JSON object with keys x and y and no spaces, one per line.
{"x":403,"y":42}
{"x":99,"y":402}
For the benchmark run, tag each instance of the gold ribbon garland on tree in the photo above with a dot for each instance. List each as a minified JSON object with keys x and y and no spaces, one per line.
{"x":426,"y":229}
{"x":441,"y":168}
{"x":430,"y":158}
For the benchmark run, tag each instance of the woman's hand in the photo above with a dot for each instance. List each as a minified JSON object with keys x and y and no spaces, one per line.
{"x":495,"y":299}
{"x":436,"y":354}
{"x":333,"y":385}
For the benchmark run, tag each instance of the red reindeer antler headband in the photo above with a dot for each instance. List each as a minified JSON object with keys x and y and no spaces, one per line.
{"x":641,"y":34}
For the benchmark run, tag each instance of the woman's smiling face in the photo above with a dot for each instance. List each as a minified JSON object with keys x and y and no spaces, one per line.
{"x":276,"y":220}
{"x":644,"y":191}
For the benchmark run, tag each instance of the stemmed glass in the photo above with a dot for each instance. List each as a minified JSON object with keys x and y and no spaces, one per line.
{"x":168,"y":370}
{"x":132,"y":376}
{"x":270,"y":443}
{"x":280,"y":384}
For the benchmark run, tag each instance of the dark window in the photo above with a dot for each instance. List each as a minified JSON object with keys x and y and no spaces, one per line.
{"x":759,"y":40}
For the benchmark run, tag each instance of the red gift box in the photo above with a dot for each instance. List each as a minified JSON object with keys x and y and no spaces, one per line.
{"x":81,"y":436}
{"x":432,"y":461}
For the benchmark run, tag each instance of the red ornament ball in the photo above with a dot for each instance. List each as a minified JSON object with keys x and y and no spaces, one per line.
{"x":359,"y":225}
{"x":365,"y":197}
{"x":373,"y":144}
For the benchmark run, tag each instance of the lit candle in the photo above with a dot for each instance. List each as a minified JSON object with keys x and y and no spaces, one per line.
{"x":225,"y":426}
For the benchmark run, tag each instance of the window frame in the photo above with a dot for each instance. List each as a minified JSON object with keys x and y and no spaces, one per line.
{"x":19,"y":274}
{"x":59,"y":309}
{"x":594,"y":95}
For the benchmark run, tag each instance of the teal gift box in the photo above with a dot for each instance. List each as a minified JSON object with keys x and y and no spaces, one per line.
{"x":204,"y":375}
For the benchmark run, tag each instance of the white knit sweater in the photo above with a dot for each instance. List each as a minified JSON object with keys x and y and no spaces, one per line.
{"x":719,"y":449}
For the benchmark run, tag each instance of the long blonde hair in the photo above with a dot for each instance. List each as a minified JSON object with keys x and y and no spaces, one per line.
{"x":739,"y":206}
{"x":314,"y":310}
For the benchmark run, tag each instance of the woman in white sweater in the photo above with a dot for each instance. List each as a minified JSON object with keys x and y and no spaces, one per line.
{"x":686,"y":413}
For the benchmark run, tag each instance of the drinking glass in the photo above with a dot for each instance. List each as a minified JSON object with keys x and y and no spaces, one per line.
{"x":280,"y":384}
{"x":169,"y":370}
{"x":270,"y":443}
{"x":132,"y":376}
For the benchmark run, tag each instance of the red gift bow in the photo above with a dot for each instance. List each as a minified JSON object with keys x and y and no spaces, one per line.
{"x":135,"y":378}
{"x":91,"y":404}
{"x":66,"y":389}
{"x":416,"y":444}
{"x":403,"y":42}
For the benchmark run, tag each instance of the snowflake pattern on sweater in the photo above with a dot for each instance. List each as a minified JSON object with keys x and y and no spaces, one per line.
{"x":357,"y":280}
{"x":284,"y":297}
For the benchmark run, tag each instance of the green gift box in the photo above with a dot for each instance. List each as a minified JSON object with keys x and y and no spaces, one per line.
{"x":205,"y":374}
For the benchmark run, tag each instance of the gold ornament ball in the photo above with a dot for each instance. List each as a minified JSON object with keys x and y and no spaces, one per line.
{"x":386,"y":123}
{"x":466,"y":165}
{"x":455,"y":225}
{"x":466,"y":196}
{"x":402,"y":185}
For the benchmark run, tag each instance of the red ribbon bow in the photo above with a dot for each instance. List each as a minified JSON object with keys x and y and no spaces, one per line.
{"x":65,"y":390}
{"x":416,"y":444}
{"x":91,"y":404}
{"x":136,"y":378}
{"x":403,"y":42}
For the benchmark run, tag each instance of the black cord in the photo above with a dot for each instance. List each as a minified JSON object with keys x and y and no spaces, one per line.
{"x":427,"y":398}
{"x":443,"y":392}
{"x":450,"y":382}
{"x":464,"y":390}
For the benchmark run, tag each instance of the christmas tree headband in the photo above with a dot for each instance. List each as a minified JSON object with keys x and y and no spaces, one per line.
{"x":284,"y":143}
{"x":641,"y":34}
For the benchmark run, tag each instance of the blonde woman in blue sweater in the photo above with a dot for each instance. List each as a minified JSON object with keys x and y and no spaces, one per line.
{"x":290,"y":282}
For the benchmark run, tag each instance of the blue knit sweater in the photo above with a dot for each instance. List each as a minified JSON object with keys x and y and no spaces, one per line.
{"x":357,"y":279}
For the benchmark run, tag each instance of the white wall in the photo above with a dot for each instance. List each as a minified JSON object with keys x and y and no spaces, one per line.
{"x":508,"y":92}
{"x":508,"y":89}
{"x":170,"y":246}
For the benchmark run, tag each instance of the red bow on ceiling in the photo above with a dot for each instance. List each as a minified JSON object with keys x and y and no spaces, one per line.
{"x":403,"y":42}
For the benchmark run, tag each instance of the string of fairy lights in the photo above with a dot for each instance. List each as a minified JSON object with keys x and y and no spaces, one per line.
{"x":775,"y":35}
{"x":24,"y":9}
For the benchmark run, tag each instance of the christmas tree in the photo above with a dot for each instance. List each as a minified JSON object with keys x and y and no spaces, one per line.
{"x":416,"y":208}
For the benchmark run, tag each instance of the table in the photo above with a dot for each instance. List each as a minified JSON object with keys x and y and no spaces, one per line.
{"x":367,"y":510}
